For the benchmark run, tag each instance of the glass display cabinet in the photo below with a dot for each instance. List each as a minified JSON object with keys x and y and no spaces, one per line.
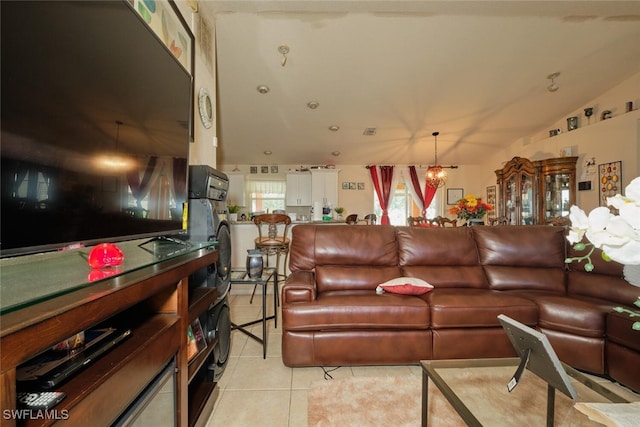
{"x":558,"y":181}
{"x":537,"y":192}
{"x":517,"y":186}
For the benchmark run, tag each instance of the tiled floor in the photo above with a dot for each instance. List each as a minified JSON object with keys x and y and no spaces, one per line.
{"x":256,"y":391}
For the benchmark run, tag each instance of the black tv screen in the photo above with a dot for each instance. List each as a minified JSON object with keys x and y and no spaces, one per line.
{"x":96,"y":119}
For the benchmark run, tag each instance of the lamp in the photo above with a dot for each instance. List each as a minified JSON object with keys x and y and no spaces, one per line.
{"x":436,"y":176}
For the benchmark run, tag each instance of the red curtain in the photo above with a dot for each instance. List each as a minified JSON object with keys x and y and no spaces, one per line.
{"x":429,"y":192}
{"x":383,"y":191}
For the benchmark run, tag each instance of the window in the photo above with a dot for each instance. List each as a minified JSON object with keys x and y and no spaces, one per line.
{"x":266,"y":196}
{"x":402,"y":206}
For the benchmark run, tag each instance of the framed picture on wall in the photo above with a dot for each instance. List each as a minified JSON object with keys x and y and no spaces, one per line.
{"x":610,"y":180}
{"x":453,"y":195}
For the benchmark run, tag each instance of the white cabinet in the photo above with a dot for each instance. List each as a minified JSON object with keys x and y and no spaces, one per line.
{"x":324,"y":186}
{"x":298,"y":191}
{"x":236,"y":194}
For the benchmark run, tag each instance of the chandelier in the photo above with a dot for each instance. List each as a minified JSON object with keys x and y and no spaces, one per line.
{"x":436,"y":176}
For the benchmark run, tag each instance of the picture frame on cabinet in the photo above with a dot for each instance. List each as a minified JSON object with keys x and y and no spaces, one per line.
{"x":610,"y":180}
{"x":453,"y":195}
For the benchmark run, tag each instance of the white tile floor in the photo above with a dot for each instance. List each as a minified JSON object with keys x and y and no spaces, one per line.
{"x":263,"y":392}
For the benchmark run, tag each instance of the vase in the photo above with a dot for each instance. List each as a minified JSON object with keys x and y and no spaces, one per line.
{"x":632,"y":274}
{"x":474,"y":221}
{"x":254,"y":263}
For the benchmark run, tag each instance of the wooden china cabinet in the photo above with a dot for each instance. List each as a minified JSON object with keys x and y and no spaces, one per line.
{"x":536,"y":192}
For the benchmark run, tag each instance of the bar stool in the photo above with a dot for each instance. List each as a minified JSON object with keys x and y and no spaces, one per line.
{"x":272,"y":243}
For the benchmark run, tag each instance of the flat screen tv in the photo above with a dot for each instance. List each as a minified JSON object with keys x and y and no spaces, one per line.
{"x":96,"y":125}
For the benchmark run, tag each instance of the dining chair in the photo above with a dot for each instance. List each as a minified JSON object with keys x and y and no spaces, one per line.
{"x":272,"y":242}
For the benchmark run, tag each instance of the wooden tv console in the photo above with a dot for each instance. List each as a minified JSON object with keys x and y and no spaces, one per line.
{"x":47,"y":298}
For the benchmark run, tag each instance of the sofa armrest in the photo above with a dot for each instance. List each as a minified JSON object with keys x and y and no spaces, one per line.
{"x":299,"y":287}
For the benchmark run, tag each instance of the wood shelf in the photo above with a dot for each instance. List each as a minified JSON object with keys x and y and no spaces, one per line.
{"x":202,"y":397}
{"x":130,"y":367}
{"x":151,"y":300}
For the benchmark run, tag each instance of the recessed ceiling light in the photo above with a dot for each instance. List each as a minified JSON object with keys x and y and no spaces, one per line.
{"x":263,"y":89}
{"x":267,"y":152}
{"x":335,"y":153}
{"x":334,"y":128}
{"x":369,"y":131}
{"x":313,"y":104}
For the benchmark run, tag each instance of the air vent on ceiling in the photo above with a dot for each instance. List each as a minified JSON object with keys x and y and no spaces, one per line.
{"x":369,"y":131}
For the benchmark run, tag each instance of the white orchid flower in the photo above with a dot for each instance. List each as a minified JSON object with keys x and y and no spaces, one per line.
{"x":617,"y":235}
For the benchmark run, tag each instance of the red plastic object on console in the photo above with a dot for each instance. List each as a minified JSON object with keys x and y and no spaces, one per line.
{"x":105,"y":255}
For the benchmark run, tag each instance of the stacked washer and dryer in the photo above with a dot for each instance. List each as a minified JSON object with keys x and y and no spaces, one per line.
{"x":208,"y":189}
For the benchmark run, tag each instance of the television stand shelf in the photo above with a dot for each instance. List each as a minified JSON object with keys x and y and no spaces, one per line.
{"x":149,"y":297}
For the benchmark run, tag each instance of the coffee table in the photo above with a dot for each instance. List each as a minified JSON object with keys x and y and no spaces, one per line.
{"x":477,"y":390}
{"x":241,"y":277}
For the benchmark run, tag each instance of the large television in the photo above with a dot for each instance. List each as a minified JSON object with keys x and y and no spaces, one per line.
{"x":96,"y":122}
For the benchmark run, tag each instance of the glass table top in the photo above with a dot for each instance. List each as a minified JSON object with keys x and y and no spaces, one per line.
{"x":26,"y":280}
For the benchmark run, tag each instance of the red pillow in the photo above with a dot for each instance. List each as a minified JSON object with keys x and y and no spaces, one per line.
{"x":404,"y":286}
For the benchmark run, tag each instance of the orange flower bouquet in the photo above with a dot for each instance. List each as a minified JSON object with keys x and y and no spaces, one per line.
{"x":470,"y":207}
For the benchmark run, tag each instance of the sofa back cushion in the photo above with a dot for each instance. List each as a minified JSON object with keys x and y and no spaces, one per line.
{"x":527,"y":257}
{"x":604,"y":282}
{"x":444,"y":257}
{"x":345,"y":256}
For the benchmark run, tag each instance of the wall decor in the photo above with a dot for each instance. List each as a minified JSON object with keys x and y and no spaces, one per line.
{"x":274,"y":169}
{"x":253,"y":169}
{"x":610,"y":175}
{"x":205,"y":107}
{"x":345,"y":185}
{"x":264,"y":169}
{"x":352,"y":186}
{"x":361,"y":186}
{"x":453,"y":195}
{"x":164,"y":18}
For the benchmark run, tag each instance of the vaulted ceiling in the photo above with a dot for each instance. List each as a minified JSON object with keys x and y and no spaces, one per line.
{"x":474,"y":71}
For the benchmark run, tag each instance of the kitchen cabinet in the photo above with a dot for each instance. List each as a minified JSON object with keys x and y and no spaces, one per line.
{"x":298,"y":192}
{"x":324,"y":186}
{"x":236,"y":194}
{"x":535,"y":192}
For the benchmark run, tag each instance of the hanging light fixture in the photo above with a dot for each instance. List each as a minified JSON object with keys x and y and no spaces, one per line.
{"x":436,"y":176}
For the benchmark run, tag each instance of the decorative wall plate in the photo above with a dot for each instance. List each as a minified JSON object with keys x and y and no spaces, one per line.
{"x":206,"y":108}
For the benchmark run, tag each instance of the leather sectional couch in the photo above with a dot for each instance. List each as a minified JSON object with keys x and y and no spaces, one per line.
{"x":332,"y":315}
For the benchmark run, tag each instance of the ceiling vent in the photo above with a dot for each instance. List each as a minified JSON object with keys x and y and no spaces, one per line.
{"x":369,"y":131}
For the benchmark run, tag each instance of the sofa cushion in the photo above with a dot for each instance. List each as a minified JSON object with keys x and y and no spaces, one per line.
{"x":574,"y":315}
{"x":516,"y":257}
{"x":357,"y":310}
{"x":404,"y":286}
{"x":344,"y":277}
{"x":619,"y":330}
{"x":443,"y":256}
{"x":477,"y":308}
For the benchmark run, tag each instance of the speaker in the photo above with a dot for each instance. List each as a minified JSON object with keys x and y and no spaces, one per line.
{"x":218,"y":327}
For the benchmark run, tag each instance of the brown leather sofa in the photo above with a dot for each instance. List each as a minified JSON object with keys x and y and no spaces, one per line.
{"x":332,"y":315}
